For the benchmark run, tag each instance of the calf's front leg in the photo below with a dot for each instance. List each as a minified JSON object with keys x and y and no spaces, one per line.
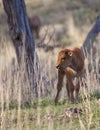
{"x":59,"y":85}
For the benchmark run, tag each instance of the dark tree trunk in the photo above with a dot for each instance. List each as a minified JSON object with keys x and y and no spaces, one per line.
{"x":88,"y":43}
{"x":20,"y":32}
{"x":91,"y":50}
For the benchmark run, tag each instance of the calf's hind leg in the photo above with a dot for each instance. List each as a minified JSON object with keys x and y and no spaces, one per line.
{"x":70,"y":90}
{"x":77,"y":92}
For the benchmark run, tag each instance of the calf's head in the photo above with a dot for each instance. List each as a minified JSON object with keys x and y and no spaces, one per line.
{"x":64,"y":59}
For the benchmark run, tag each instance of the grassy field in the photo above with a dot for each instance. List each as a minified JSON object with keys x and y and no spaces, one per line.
{"x":44,"y":115}
{"x":20,"y":109}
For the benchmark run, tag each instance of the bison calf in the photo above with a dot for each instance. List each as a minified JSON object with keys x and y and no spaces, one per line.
{"x":70,"y":63}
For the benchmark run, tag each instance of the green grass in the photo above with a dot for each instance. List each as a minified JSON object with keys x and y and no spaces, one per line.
{"x":35,"y":116}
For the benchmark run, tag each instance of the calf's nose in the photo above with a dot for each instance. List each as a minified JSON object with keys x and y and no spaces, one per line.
{"x":57,"y":66}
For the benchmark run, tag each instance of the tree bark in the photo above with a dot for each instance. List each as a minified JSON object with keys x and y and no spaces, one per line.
{"x":91,"y":50}
{"x":88,"y":43}
{"x":20,"y":32}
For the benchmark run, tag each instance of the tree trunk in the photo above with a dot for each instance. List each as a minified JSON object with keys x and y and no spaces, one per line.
{"x":88,"y":43}
{"x":91,"y":50}
{"x":21,"y":34}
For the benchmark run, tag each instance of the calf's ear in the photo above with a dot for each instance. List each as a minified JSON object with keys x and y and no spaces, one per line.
{"x":70,"y":53}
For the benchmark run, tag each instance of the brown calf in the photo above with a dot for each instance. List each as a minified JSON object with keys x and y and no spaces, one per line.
{"x":70,"y":63}
{"x":35,"y":24}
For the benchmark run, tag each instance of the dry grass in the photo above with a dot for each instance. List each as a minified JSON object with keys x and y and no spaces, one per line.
{"x":20,"y":107}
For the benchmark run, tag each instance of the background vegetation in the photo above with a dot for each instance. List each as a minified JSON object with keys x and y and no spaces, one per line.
{"x":67,"y":23}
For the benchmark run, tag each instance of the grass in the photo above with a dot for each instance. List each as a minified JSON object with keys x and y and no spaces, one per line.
{"x":52,"y":115}
{"x":20,"y":108}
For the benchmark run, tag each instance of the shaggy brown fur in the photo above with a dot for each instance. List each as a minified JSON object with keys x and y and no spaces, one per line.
{"x":70,"y":63}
